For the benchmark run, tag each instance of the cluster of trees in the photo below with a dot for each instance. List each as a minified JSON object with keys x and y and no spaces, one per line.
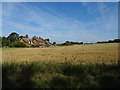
{"x":110,"y":41}
{"x":12,"y":41}
{"x":67,"y":43}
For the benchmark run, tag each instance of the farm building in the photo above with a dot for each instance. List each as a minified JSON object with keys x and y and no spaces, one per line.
{"x":35,"y":41}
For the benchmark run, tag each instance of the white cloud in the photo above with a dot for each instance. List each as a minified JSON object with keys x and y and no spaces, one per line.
{"x":61,"y":28}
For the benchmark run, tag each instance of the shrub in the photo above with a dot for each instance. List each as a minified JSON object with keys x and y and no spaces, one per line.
{"x":17,"y":44}
{"x":33,"y":46}
{"x":60,"y":75}
{"x":61,"y":82}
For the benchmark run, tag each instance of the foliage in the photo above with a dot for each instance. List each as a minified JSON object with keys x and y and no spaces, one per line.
{"x":110,"y":41}
{"x":17,"y":44}
{"x":47,"y":40}
{"x":60,"y":75}
{"x":5,"y":41}
{"x":68,"y":43}
{"x":54,"y":43}
{"x":34,"y":38}
{"x":34,"y":46}
{"x":13,"y":37}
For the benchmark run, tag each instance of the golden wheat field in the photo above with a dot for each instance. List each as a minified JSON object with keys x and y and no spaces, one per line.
{"x":74,"y":54}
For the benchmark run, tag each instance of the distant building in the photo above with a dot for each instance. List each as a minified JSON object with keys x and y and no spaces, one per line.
{"x":35,"y":41}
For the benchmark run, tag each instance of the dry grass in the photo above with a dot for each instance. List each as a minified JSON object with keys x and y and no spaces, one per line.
{"x":75,"y":54}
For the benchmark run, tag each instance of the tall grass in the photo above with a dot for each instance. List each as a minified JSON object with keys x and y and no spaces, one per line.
{"x":60,"y":75}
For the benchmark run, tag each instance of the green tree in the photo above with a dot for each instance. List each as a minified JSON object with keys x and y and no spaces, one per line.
{"x":54,"y":43}
{"x":0,"y":41}
{"x":34,"y":38}
{"x":17,"y":44}
{"x":13,"y":37}
{"x":47,"y":40}
{"x":5,"y":41}
{"x":67,"y":43}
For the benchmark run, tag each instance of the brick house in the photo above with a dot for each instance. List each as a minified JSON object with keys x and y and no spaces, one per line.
{"x":35,"y":41}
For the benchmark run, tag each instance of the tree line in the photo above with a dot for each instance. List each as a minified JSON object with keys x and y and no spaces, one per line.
{"x":110,"y":41}
{"x":13,"y":41}
{"x":68,"y":43}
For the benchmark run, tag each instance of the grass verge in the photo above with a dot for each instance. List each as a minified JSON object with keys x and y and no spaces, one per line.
{"x":60,"y":75}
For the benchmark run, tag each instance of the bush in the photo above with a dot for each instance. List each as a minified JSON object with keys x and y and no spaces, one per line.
{"x":61,"y":82}
{"x":59,"y":75}
{"x":17,"y":44}
{"x":33,"y":46}
{"x":4,"y":41}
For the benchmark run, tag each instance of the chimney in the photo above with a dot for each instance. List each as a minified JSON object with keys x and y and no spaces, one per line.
{"x":26,"y":36}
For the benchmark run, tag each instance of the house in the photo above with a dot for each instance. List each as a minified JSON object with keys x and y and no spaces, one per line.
{"x":26,"y":40}
{"x":35,"y":41}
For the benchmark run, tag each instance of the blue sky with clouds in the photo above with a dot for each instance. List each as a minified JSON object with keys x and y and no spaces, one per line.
{"x":62,"y":21}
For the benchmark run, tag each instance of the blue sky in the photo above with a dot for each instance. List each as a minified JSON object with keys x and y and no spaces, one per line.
{"x":62,"y":21}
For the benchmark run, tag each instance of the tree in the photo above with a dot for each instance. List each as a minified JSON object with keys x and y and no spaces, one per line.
{"x":67,"y":42}
{"x":116,"y":40}
{"x":34,"y":38}
{"x":81,"y":43}
{"x":0,"y":41}
{"x":5,"y":41}
{"x":13,"y":37}
{"x":54,"y":43}
{"x":47,"y":41}
{"x":17,"y":44}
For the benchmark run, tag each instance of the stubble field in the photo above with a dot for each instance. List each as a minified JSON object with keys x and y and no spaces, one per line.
{"x":74,"y":54}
